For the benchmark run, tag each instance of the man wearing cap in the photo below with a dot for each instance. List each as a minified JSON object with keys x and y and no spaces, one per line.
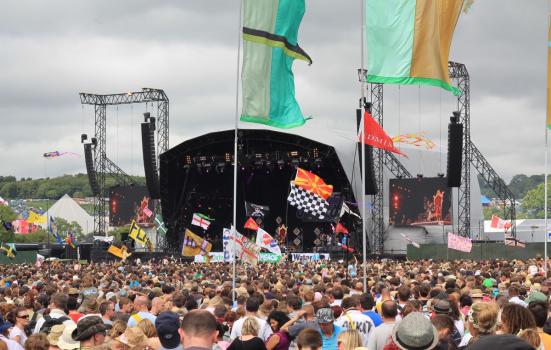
{"x":328,"y":330}
{"x":90,"y":332}
{"x":353,"y":318}
{"x":167,"y":325}
{"x":415,"y":331}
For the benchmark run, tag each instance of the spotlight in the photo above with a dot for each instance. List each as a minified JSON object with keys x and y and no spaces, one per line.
{"x":280,"y":164}
{"x":227,"y":157}
{"x":94,"y":141}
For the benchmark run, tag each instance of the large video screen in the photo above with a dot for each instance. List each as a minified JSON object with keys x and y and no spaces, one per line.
{"x":419,"y":202}
{"x":127,"y":203}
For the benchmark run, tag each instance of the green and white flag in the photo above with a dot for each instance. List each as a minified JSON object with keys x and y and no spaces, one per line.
{"x":270,"y":30}
{"x":160,"y":225}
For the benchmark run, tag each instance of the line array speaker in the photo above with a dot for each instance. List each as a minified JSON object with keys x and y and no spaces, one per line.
{"x":455,"y":151}
{"x":370,"y":183}
{"x":150,"y":161}
{"x":90,"y":169}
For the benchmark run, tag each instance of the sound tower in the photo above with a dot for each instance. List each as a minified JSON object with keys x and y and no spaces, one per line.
{"x":149,"y":159}
{"x":90,"y":169}
{"x":370,"y":183}
{"x":455,"y":151}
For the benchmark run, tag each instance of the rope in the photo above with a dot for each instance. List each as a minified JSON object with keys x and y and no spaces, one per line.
{"x":131,"y":140}
{"x":440,"y":139}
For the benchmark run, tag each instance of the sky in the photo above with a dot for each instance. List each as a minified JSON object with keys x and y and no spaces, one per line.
{"x":52,"y":50}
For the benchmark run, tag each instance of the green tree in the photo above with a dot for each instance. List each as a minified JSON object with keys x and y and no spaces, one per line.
{"x":64,"y":227}
{"x":533,"y":203}
{"x":6,"y":215}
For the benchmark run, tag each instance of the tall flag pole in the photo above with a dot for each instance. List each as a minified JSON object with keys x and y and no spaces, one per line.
{"x":239,"y":25}
{"x":548,"y":125}
{"x":362,"y":81}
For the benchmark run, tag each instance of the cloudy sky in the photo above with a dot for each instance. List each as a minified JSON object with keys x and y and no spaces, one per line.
{"x":51,"y":50}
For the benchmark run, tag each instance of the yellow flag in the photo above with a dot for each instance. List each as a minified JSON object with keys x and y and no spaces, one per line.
{"x":137,"y":233}
{"x":194,"y":244}
{"x":116,"y":251}
{"x":34,"y":218}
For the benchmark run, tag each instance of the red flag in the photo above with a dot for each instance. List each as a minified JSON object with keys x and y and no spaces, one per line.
{"x":499,"y":223}
{"x":251,"y":224}
{"x":313,"y":183}
{"x":341,"y":229}
{"x":374,"y":135}
{"x":345,"y":247}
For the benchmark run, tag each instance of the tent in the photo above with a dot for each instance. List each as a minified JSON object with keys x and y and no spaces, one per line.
{"x":69,"y":210}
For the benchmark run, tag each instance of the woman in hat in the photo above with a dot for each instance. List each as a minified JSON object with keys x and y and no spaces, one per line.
{"x":55,"y":334}
{"x":481,"y":321}
{"x":65,"y":341}
{"x":19,"y":317}
{"x":132,"y":338}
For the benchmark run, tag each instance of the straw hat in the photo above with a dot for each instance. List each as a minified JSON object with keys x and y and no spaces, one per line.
{"x":133,"y":336}
{"x":55,"y":333}
{"x":65,"y":341}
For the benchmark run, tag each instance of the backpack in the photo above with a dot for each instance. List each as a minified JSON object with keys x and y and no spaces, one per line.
{"x":49,"y":322}
{"x":29,"y":328}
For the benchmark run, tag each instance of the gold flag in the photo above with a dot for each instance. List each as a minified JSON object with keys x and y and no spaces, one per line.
{"x":194,"y":244}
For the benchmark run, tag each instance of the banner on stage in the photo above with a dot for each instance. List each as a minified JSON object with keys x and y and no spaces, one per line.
{"x":310,"y":256}
{"x":245,"y":249}
{"x":456,"y":242}
{"x":218,"y":257}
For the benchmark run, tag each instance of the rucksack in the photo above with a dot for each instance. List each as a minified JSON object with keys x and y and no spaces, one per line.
{"x":49,"y":322}
{"x":29,"y":328}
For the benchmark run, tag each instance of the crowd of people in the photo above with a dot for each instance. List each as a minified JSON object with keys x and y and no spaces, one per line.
{"x":170,"y":304}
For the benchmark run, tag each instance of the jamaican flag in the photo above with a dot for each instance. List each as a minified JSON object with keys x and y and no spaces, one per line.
{"x":270,"y":31}
{"x":9,"y":250}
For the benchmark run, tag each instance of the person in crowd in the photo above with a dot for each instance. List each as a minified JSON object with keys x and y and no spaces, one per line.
{"x":354,"y":319}
{"x":248,"y":340}
{"x":252,"y":304}
{"x":141,"y":306}
{"x":148,"y":328}
{"x":514,"y":296}
{"x":132,"y":338}
{"x":404,"y":295}
{"x":280,"y":339}
{"x":167,"y":325}
{"x":55,"y":334}
{"x":66,"y":341}
{"x":309,"y":339}
{"x":515,"y":317}
{"x":349,"y":340}
{"x":367,"y":303}
{"x":57,"y":307}
{"x":540,"y":311}
{"x":328,"y":329}
{"x":107,"y":311}
{"x":90,"y":332}
{"x":382,"y":334}
{"x":303,"y":319}
{"x":501,"y":342}
{"x":19,"y":318}
{"x":481,"y":322}
{"x":37,"y":342}
{"x":72,"y":306}
{"x":4,"y":332}
{"x":414,"y":331}
{"x":445,"y":327}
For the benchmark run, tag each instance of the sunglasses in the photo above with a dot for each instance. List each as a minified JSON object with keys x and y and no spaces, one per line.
{"x":23,"y":316}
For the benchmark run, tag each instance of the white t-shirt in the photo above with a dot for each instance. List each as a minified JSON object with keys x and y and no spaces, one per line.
{"x":18,"y":332}
{"x":264,"y":329}
{"x":354,"y":319}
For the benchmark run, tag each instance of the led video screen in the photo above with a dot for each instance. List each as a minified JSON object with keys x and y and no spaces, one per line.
{"x":127,"y":203}
{"x":419,"y":202}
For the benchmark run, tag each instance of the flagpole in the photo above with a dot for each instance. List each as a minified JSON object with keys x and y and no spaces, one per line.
{"x":235,"y":147}
{"x":362,"y":83}
{"x":548,"y":117}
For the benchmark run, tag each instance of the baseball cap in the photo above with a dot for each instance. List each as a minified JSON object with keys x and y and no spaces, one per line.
{"x":325,"y":315}
{"x":167,"y":325}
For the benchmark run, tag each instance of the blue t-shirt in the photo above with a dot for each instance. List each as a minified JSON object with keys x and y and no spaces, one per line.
{"x":377,"y":320}
{"x":330,"y":343}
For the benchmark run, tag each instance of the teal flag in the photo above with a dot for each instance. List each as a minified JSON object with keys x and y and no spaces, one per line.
{"x":270,"y":30}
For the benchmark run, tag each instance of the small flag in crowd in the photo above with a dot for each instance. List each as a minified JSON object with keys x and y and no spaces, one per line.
{"x":194,"y":245}
{"x":36,"y":218}
{"x":256,"y":210}
{"x":201,"y":220}
{"x":345,"y":247}
{"x":137,"y":233}
{"x":9,"y":250}
{"x":70,"y":240}
{"x":266,"y":241}
{"x":53,"y":230}
{"x":412,"y":242}
{"x":241,"y":247}
{"x":251,"y":224}
{"x":456,"y":242}
{"x":121,"y":253}
{"x":160,"y":225}
{"x":308,"y":202}
{"x":499,"y":223}
{"x":341,"y":229}
{"x":282,"y":232}
{"x":511,"y":241}
{"x":39,"y":260}
{"x":147,"y":212}
{"x":313,"y":183}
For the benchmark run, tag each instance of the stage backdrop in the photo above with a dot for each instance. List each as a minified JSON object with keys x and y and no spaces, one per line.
{"x":127,"y":203}
{"x":419,"y":202}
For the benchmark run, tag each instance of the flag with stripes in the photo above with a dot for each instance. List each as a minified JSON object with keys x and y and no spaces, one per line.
{"x":194,"y":245}
{"x":160,"y":225}
{"x":201,"y":220}
{"x":137,"y":233}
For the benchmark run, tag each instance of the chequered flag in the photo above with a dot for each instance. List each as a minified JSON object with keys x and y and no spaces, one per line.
{"x":308,"y":202}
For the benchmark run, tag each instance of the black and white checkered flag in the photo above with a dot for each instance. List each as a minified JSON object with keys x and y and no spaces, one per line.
{"x":308,"y":202}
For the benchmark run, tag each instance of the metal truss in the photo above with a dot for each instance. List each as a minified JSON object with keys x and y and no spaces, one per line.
{"x":471,"y":155}
{"x":102,"y":164}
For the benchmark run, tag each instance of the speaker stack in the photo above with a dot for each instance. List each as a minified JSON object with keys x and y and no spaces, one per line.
{"x":149,"y":158}
{"x":90,"y":169}
{"x":455,"y":151}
